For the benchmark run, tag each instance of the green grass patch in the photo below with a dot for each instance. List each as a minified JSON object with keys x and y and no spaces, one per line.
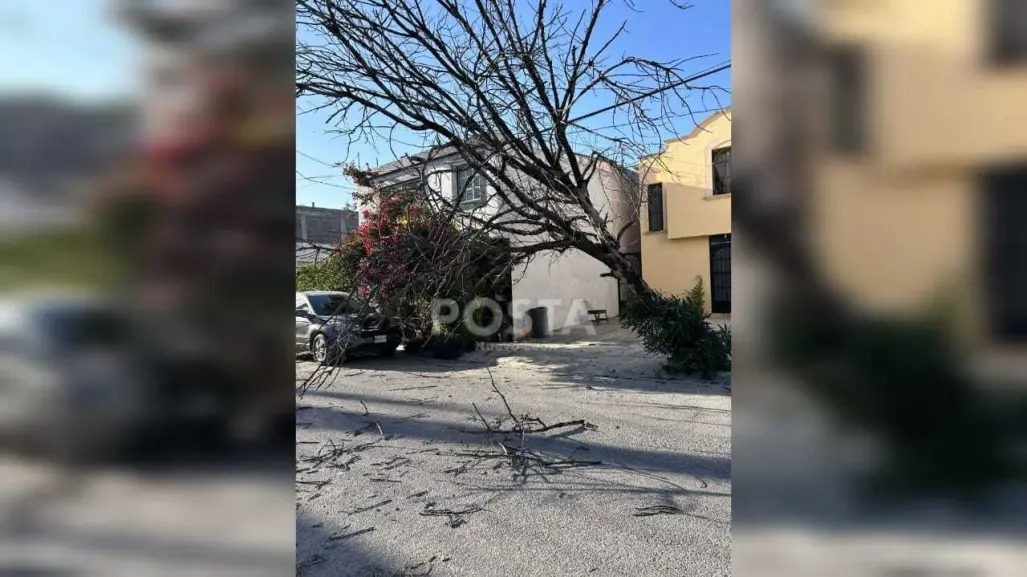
{"x":74,"y":257}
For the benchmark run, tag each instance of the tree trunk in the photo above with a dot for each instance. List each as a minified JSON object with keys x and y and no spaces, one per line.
{"x":623,"y":269}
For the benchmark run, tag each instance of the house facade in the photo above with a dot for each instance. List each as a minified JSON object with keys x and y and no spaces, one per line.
{"x":686,"y":216}
{"x":918,"y":142}
{"x":568,"y":284}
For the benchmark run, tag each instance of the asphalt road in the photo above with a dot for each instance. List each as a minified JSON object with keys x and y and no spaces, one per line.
{"x":397,"y":473}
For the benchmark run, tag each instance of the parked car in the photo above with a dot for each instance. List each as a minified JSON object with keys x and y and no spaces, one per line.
{"x":67,"y":384}
{"x":75,"y":384}
{"x":331,"y":325}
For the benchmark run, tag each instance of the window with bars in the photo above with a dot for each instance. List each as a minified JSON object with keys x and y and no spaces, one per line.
{"x":722,"y":170}
{"x":404,"y":186}
{"x":655,"y":202}
{"x":1007,"y":32}
{"x":470,"y":186}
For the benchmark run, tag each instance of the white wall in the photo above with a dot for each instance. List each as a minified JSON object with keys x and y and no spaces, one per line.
{"x":572,"y":281}
{"x":616,"y":194}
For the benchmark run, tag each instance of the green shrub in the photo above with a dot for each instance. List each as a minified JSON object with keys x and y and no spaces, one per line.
{"x":332,"y":273}
{"x":678,"y":329}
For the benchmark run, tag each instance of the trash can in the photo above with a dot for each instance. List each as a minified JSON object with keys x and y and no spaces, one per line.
{"x":539,"y":322}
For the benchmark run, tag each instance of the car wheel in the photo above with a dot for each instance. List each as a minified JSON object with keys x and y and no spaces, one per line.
{"x":319,"y":348}
{"x":325,"y":352}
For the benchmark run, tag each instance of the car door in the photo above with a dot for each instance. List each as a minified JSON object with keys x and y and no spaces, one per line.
{"x":302,"y":323}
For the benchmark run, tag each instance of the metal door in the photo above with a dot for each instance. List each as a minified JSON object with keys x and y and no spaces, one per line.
{"x":1005,"y":245}
{"x":720,"y":274}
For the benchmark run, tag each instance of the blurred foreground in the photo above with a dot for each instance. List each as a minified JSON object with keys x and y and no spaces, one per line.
{"x":232,"y":518}
{"x":146,"y":404}
{"x":880,"y":311}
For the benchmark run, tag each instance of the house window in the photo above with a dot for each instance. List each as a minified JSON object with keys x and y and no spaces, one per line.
{"x":655,"y":207}
{"x":848,"y":99}
{"x":407,"y":186}
{"x":470,"y":185}
{"x":1007,"y":32}
{"x":722,"y":171}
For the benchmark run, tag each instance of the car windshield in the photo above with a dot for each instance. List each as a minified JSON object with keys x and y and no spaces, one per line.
{"x":332,"y":304}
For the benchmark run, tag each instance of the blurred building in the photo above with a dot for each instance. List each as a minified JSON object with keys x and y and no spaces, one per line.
{"x":201,"y":210}
{"x":319,"y":229}
{"x":23,"y":213}
{"x":918,"y":144}
{"x":686,"y":222}
{"x":183,"y":37}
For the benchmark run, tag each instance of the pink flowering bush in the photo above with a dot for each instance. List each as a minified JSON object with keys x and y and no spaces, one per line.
{"x":405,"y":254}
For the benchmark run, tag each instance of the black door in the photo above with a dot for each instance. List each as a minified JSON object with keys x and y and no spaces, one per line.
{"x":720,"y":274}
{"x":1005,"y":244}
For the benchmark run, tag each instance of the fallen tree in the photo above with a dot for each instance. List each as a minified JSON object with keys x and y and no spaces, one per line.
{"x":527,"y":94}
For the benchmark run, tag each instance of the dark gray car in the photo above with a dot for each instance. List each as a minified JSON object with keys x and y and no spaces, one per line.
{"x":67,"y":384}
{"x":330,"y":325}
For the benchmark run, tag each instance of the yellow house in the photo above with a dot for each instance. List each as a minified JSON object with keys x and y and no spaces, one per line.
{"x":686,"y":218}
{"x":919,"y":147}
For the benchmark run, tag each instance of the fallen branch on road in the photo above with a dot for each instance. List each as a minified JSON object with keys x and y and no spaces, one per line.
{"x":329,"y":454}
{"x":422,"y":569}
{"x":349,"y":535}
{"x":520,"y":458}
{"x":523,"y":424}
{"x":544,"y":427}
{"x":657,"y":510}
{"x":309,"y":562}
{"x":456,"y":518}
{"x":392,"y":463}
{"x":369,"y":507}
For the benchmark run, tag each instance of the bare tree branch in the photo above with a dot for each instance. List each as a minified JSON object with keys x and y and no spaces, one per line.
{"x":526,"y":94}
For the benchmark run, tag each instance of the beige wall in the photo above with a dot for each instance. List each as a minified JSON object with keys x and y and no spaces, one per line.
{"x":896,"y":226}
{"x":693,"y":212}
{"x":897,"y":246}
{"x":674,"y":257}
{"x":671,"y":266}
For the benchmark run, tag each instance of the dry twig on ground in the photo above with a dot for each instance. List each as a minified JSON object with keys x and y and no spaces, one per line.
{"x":657,"y":510}
{"x":456,"y":517}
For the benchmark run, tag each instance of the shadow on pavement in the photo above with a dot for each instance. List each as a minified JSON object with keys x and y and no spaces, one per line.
{"x":705,"y":466}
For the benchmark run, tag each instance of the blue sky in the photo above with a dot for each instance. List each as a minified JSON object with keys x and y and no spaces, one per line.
{"x":73,"y":48}
{"x":660,"y":32}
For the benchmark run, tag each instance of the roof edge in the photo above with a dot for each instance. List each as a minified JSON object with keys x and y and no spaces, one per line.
{"x":693,"y":133}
